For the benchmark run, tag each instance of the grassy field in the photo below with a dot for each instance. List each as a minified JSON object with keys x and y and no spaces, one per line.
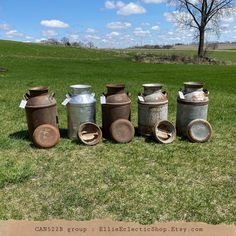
{"x":141,"y":181}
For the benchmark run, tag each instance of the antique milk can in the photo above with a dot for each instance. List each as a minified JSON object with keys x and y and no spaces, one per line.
{"x":191,"y":117}
{"x":40,"y":108}
{"x":152,"y":108}
{"x":81,"y":108}
{"x":116,"y":109}
{"x":41,"y":115}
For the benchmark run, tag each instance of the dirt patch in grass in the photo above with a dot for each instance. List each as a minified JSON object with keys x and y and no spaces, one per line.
{"x":176,"y":59}
{"x":2,"y":70}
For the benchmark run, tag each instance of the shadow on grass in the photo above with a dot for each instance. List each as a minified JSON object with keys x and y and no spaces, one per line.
{"x":23,"y":135}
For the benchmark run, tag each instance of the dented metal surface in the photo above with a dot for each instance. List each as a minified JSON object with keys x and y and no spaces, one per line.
{"x":152,"y":108}
{"x":192,"y":103}
{"x":80,"y":108}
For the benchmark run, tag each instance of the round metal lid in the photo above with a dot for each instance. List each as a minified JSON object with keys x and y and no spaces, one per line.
{"x":122,"y":131}
{"x":164,"y":132}
{"x":199,"y":130}
{"x":193,"y":84}
{"x":89,"y":133}
{"x":46,"y":136}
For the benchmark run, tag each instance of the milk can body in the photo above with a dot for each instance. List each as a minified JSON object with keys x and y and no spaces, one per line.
{"x":81,"y":108}
{"x":40,"y":108}
{"x":152,"y":108}
{"x":192,"y":104}
{"x":117,"y":106}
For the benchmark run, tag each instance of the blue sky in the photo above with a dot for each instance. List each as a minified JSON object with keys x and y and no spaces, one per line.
{"x":106,"y":23}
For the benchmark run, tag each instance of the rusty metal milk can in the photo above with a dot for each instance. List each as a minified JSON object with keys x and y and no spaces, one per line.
{"x":192,"y":107}
{"x":81,"y":108}
{"x":116,"y":109}
{"x":40,"y":109}
{"x":152,"y":108}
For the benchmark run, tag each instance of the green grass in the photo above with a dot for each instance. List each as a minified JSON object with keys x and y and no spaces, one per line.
{"x":141,"y":181}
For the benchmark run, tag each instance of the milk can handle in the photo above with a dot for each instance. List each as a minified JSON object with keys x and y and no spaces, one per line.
{"x":52,"y":94}
{"x":128,"y":94}
{"x":26,"y":96}
{"x":206,"y":92}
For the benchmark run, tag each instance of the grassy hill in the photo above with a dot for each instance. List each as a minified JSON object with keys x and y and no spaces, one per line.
{"x":141,"y":181}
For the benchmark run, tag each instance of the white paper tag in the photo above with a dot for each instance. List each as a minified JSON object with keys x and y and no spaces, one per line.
{"x":140,"y":98}
{"x":181,"y":95}
{"x":64,"y":103}
{"x":103,"y":100}
{"x":23,"y":104}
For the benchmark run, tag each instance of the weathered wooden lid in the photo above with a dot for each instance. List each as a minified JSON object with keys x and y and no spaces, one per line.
{"x":46,"y":136}
{"x":122,"y":131}
{"x":89,"y":133}
{"x":199,"y":131}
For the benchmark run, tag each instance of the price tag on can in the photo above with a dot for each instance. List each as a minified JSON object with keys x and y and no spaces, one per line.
{"x":103,"y":100}
{"x":23,"y":104}
{"x":64,"y":103}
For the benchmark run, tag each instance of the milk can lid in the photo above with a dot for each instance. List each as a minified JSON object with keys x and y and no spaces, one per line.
{"x":122,"y":131}
{"x":89,"y":133}
{"x":46,"y":136}
{"x":164,"y":132}
{"x":199,"y":130}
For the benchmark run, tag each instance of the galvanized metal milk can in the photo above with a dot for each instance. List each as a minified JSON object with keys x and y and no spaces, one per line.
{"x":40,"y":108}
{"x":117,"y":106}
{"x":192,"y":104}
{"x":81,"y":108}
{"x":152,"y":108}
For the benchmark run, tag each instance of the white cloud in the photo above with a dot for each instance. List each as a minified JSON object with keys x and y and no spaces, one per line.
{"x":168,"y":16}
{"x":54,"y":24}
{"x":130,"y":9}
{"x":141,"y":33}
{"x":156,"y":27}
{"x":92,"y":37}
{"x":29,"y":37}
{"x":49,"y":33}
{"x":127,"y":37}
{"x":4,"y":27}
{"x":90,"y":30}
{"x":225,"y":25}
{"x":14,"y":33}
{"x":110,"y":5}
{"x":114,"y":5}
{"x":119,"y":25}
{"x":153,"y":1}
{"x":73,"y":37}
{"x":125,"y":9}
{"x":113,"y":34}
{"x":228,"y":19}
{"x":120,"y":4}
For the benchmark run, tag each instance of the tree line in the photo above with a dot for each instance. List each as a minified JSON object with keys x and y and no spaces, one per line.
{"x":66,"y":42}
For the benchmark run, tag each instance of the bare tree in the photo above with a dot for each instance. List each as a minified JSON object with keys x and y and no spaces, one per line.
{"x":202,"y":15}
{"x":66,"y":41}
{"x":90,"y":44}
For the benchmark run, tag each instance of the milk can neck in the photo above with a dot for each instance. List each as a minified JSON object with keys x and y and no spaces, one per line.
{"x":193,"y":86}
{"x":37,"y":91}
{"x":115,"y":89}
{"x":80,"y":89}
{"x":152,"y":88}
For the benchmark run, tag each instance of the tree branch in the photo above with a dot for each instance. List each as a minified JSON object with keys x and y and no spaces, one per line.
{"x":191,"y":13}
